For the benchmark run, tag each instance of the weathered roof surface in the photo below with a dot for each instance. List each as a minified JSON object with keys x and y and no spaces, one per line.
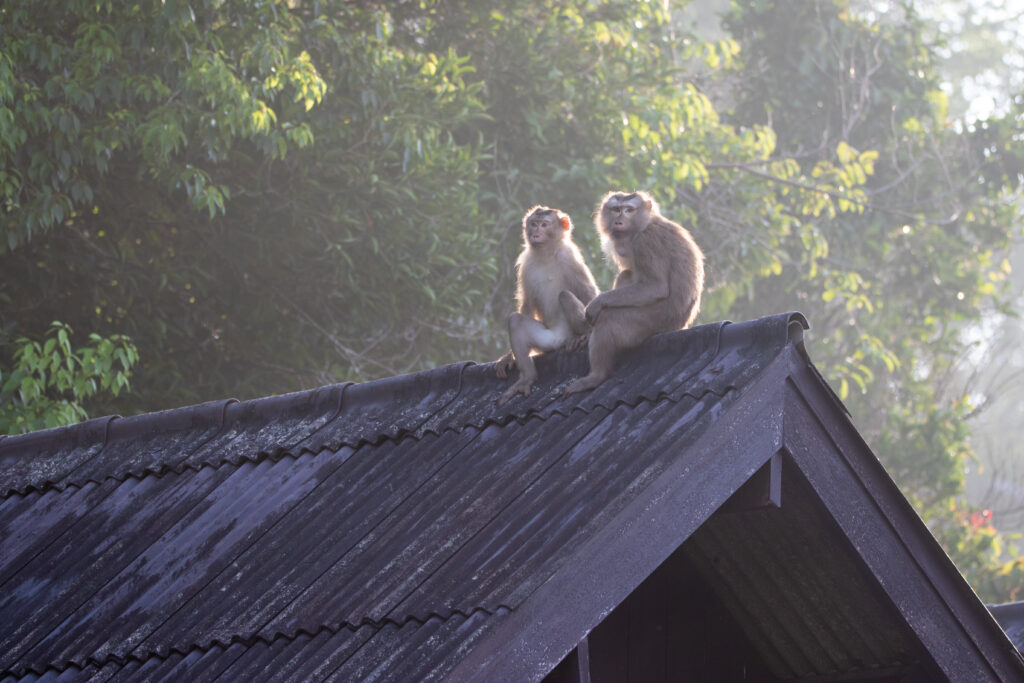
{"x":411,"y":529}
{"x":1011,"y":617}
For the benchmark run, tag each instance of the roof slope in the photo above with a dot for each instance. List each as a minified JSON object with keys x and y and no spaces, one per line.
{"x":1011,"y":617}
{"x":410,"y":529}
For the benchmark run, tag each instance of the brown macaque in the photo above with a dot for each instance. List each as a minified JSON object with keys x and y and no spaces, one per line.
{"x":550,"y":264}
{"x":658,"y":288}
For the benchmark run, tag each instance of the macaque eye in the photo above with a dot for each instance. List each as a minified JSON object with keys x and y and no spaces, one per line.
{"x":628,"y":210}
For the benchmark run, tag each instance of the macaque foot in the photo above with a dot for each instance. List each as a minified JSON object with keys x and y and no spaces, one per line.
{"x":522,"y":386}
{"x":582,"y":384}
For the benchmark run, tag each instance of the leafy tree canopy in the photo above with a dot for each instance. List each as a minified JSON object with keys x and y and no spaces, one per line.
{"x":273,"y":195}
{"x":50,"y":380}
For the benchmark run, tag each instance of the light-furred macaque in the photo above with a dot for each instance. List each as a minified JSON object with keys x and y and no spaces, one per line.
{"x":658,"y":288}
{"x":550,"y":264}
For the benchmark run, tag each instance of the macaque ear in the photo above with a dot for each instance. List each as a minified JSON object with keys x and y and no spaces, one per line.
{"x":566,"y":223}
{"x":649,"y":204}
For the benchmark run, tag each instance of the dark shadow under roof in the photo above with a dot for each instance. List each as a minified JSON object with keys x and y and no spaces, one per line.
{"x":411,"y":529}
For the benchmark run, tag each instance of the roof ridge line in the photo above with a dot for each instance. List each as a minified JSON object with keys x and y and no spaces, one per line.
{"x":249,"y":641}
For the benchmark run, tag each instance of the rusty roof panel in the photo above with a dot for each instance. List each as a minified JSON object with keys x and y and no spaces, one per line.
{"x":447,"y":398}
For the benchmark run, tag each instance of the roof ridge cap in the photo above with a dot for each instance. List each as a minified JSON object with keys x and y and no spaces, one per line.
{"x":65,"y":433}
{"x":781,"y":328}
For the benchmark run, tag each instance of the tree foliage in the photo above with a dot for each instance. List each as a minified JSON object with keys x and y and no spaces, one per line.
{"x":926,"y":260}
{"x":272,"y":195}
{"x":50,"y":380}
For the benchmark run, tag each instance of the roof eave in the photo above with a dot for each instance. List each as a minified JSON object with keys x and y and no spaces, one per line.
{"x":785,"y":411}
{"x":907,"y":561}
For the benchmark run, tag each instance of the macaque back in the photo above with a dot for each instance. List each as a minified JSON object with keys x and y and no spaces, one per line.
{"x":658,"y":288}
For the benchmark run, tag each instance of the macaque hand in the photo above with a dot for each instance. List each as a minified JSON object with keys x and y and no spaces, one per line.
{"x":504,"y":366}
{"x":576,"y":343}
{"x":594,"y":309}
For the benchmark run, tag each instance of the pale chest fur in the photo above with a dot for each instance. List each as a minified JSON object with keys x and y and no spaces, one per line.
{"x":543,"y":279}
{"x":619,"y":251}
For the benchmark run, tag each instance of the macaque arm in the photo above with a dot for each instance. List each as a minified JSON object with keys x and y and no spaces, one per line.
{"x":527,"y":306}
{"x":624,"y":278}
{"x":580,"y":280}
{"x":637,"y":291}
{"x":648,"y":282}
{"x":635,"y":295}
{"x":583,"y":287}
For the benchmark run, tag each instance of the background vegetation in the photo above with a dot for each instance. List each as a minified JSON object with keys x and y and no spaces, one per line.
{"x":270,"y":195}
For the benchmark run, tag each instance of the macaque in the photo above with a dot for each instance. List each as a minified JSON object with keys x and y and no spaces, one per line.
{"x":549,"y":265}
{"x":658,"y":288}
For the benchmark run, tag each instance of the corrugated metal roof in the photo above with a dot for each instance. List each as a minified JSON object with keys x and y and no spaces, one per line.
{"x":1011,"y":617}
{"x":384,"y":530}
{"x":778,"y":568}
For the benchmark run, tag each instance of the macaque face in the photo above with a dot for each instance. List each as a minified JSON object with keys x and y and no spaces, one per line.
{"x":542,"y":228}
{"x":624,"y":214}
